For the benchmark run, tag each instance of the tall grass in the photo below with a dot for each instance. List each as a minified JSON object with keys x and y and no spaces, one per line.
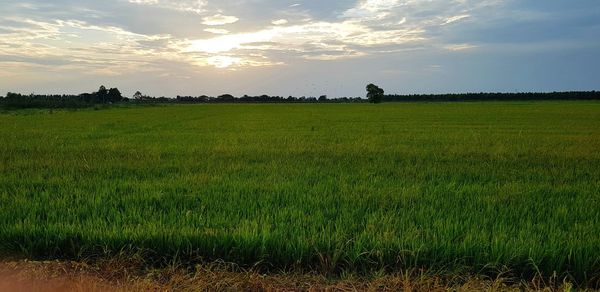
{"x":478,"y":186}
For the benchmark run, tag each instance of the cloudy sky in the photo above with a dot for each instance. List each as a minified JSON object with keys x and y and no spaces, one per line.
{"x":294,"y":47}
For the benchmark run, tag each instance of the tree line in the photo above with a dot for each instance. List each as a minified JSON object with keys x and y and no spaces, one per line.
{"x":102,"y":96}
{"x":487,"y":96}
{"x":374,"y":94}
{"x":228,"y":98}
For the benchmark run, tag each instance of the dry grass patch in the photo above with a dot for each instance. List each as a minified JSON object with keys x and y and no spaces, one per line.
{"x":117,"y":275}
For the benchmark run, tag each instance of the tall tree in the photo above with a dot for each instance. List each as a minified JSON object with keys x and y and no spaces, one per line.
{"x":138,"y":95}
{"x":102,"y":94}
{"x":374,"y":93}
{"x":114,"y":95}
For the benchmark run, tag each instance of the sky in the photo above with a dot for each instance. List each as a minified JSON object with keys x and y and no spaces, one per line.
{"x":300,"y":48}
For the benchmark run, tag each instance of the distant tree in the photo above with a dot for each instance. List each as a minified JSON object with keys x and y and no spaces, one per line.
{"x":323,"y":98}
{"x":374,"y":93}
{"x":11,"y":95}
{"x":102,"y":94}
{"x":114,"y":95}
{"x":226,"y":98}
{"x":138,"y":95}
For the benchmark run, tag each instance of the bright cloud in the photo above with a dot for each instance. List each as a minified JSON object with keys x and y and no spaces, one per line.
{"x":279,"y":22}
{"x":460,"y":47}
{"x":223,"y":61}
{"x":355,"y":33}
{"x":456,"y":18}
{"x":336,"y":38}
{"x":195,"y":6}
{"x":372,"y":9}
{"x":216,"y":30}
{"x":219,"y":19}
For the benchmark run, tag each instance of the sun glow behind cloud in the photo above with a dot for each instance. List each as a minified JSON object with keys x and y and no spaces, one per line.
{"x":313,"y":41}
{"x":48,"y":41}
{"x":369,"y":26}
{"x":228,"y":42}
{"x":223,"y":61}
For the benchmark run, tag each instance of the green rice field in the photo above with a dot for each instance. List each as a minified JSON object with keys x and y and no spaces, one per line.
{"x":476,"y":186}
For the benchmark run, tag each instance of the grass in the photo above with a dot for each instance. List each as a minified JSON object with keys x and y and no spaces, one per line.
{"x":477,"y":187}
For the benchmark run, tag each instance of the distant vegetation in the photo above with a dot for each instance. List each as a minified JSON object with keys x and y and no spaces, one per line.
{"x":102,"y":96}
{"x":482,"y":96}
{"x":374,"y":94}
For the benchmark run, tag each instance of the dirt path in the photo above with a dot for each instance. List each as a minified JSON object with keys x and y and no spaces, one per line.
{"x":114,"y":276}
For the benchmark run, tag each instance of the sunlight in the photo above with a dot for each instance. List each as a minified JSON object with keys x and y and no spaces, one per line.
{"x":229,"y":42}
{"x":222,"y":62}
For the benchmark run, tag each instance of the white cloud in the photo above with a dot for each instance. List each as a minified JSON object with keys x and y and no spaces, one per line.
{"x":216,"y":30}
{"x":332,"y":57}
{"x":372,"y":9}
{"x":219,"y":19}
{"x":229,"y":42}
{"x":77,"y":45}
{"x":53,"y":39}
{"x":223,"y":61}
{"x":336,"y":38}
{"x":456,"y":18}
{"x":147,"y":2}
{"x":460,"y":47}
{"x":230,"y":62}
{"x":194,"y":6}
{"x":370,"y":27}
{"x":279,"y":22}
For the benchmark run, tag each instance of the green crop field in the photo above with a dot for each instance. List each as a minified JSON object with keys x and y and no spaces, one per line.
{"x":480,"y":186}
